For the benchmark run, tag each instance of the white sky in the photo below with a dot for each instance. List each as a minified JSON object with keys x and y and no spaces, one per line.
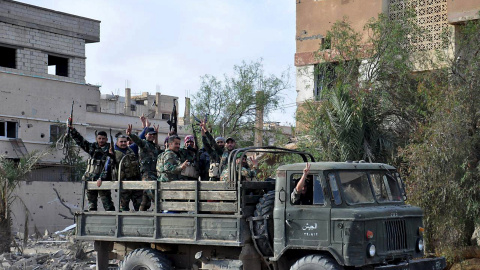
{"x":170,"y":44}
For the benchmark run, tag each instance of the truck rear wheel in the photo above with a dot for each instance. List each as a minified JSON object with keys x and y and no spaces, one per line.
{"x":265,"y":207}
{"x":316,"y":262}
{"x":145,"y":259}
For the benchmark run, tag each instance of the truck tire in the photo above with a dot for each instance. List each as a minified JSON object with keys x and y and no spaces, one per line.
{"x":145,"y":259}
{"x":265,"y":207}
{"x":316,"y":262}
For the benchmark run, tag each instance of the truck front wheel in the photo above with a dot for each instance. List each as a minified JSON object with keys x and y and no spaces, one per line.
{"x":316,"y":262}
{"x":145,"y":259}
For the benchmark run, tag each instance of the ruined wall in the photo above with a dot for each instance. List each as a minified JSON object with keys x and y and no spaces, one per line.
{"x":44,"y":207}
{"x":35,"y":33}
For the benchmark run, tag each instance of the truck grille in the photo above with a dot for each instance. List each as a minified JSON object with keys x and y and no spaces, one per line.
{"x":396,"y":234}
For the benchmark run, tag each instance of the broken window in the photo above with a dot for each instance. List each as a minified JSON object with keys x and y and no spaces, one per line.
{"x":8,"y":129}
{"x":57,"y":65}
{"x":8,"y":57}
{"x":56,"y":131}
{"x":324,"y":76}
{"x":165,"y":116}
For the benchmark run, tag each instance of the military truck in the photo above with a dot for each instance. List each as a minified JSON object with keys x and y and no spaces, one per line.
{"x":354,"y":217}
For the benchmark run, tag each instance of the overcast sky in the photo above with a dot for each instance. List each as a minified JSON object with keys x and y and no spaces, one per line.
{"x":168,"y":45}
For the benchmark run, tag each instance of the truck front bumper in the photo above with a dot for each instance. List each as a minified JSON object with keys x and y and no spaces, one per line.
{"x":421,"y":264}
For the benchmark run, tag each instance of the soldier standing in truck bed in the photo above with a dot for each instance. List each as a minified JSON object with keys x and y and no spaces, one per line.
{"x":128,"y":166}
{"x":214,"y":148}
{"x":97,"y":152}
{"x":148,"y":153}
{"x":171,"y":164}
{"x":189,"y":153}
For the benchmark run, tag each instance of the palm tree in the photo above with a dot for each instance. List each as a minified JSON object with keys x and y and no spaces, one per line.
{"x":11,"y":173}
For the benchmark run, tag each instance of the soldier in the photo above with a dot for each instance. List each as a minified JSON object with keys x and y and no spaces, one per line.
{"x":189,"y":153}
{"x":204,"y":163}
{"x":246,"y":171}
{"x":148,"y":153}
{"x":215,"y":148}
{"x":300,"y":194}
{"x":170,"y":165}
{"x":97,"y":152}
{"x":229,"y":146}
{"x":128,"y":166}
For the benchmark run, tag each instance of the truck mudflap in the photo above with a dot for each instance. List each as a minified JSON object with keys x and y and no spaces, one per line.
{"x":421,"y":264}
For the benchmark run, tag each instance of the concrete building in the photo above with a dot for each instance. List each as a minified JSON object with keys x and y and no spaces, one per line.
{"x":315,"y":17}
{"x":42,"y":71}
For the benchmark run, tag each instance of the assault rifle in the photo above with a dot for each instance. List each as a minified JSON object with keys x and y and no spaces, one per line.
{"x":172,"y":122}
{"x":197,"y":153}
{"x":70,"y":121}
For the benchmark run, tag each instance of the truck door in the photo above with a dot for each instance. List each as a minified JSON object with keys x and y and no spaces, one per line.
{"x":307,"y":221}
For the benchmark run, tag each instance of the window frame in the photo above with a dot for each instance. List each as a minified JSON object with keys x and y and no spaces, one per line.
{"x":317,"y":186}
{"x":9,"y":57}
{"x":6,"y":129}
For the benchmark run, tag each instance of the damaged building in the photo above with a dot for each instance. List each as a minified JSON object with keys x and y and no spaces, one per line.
{"x":42,"y":72}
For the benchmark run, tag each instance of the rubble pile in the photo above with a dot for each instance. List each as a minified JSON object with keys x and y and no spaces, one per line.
{"x":58,"y":250}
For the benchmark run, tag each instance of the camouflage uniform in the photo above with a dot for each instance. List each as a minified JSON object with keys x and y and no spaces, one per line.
{"x":190,"y":155}
{"x":148,"y":155}
{"x":95,"y":164}
{"x":246,"y":173}
{"x":130,"y":170}
{"x":169,"y":166}
{"x":214,"y":151}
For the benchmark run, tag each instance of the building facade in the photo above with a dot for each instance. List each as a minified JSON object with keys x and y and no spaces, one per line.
{"x":314,"y":18}
{"x":42,"y":72}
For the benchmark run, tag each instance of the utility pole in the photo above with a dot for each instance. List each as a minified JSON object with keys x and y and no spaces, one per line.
{"x":258,"y":141}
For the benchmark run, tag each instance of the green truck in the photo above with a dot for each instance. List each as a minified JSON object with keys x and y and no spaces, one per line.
{"x":353,"y":216}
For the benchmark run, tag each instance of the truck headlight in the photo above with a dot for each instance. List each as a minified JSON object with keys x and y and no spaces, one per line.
{"x":420,"y":245}
{"x":371,"y":250}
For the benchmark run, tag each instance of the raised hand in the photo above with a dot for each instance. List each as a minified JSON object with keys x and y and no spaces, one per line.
{"x":254,"y":162}
{"x":306,"y":170}
{"x":143,"y":120}
{"x":128,"y":131}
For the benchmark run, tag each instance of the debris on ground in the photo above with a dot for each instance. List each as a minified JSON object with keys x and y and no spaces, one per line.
{"x":59,"y":251}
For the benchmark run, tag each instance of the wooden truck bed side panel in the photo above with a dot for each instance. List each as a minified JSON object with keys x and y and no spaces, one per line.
{"x":194,"y":212}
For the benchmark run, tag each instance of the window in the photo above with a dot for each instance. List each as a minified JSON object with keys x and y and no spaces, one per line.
{"x":56,"y":131}
{"x":8,"y":129}
{"x":385,"y":187}
{"x":57,"y":65}
{"x":325,"y":76}
{"x":8,"y":57}
{"x":334,"y":188}
{"x":312,"y":193}
{"x":356,"y":187}
{"x":165,"y":116}
{"x":92,"y":108}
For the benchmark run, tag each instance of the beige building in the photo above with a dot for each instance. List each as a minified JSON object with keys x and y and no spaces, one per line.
{"x":315,"y":17}
{"x":42,"y":71}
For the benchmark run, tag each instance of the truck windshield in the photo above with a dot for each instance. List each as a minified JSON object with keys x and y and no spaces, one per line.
{"x":385,"y":187}
{"x":356,"y":187}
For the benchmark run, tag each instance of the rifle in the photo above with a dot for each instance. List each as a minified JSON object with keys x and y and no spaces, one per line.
{"x":113,"y":157}
{"x":173,"y":119}
{"x":197,"y":153}
{"x":65,"y":140}
{"x":70,"y":121}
